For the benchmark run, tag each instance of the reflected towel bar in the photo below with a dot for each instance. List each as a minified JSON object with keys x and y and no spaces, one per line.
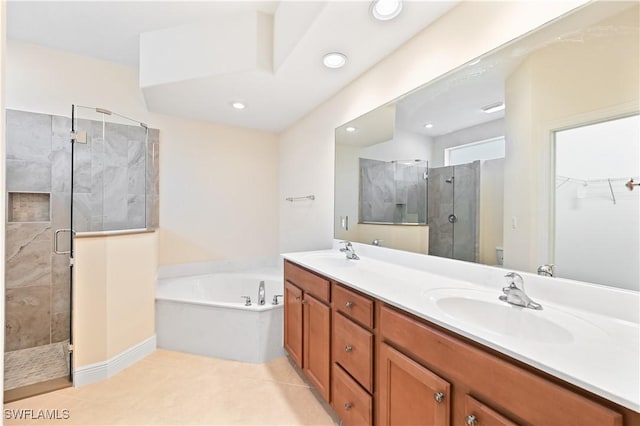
{"x":306,"y":197}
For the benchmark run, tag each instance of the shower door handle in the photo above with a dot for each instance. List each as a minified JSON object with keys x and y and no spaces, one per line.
{"x":452,"y":218}
{"x":55,"y":240}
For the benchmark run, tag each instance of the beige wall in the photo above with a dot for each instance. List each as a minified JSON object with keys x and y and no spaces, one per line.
{"x":563,"y":85}
{"x":218,"y":184}
{"x":307,"y":148}
{"x":114,"y":295}
{"x":218,"y":190}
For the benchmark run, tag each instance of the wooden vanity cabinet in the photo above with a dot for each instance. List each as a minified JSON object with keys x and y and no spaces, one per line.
{"x":485,"y":386}
{"x":307,"y":325}
{"x":379,"y":365}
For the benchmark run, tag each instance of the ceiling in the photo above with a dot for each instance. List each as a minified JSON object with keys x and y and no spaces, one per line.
{"x":198,"y":57}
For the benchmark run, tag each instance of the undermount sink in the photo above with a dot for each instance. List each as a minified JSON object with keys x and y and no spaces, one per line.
{"x":483,"y":309}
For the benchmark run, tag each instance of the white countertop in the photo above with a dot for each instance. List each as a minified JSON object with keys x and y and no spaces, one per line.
{"x":602,"y":354}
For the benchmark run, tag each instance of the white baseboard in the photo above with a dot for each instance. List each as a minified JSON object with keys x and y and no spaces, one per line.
{"x":103,"y":370}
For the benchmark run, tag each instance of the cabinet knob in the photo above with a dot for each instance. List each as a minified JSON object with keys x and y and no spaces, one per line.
{"x":471,"y":420}
{"x":348,"y":348}
{"x":348,"y":406}
{"x":348,"y":304}
{"x":439,"y":397}
{"x":297,"y":297}
{"x":304,"y":302}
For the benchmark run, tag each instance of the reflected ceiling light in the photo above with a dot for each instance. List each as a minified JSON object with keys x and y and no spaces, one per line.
{"x":385,"y":10}
{"x":334,"y":60}
{"x":428,"y":126}
{"x":238,"y":105}
{"x":499,"y":106}
{"x":350,"y":129}
{"x":474,"y":62}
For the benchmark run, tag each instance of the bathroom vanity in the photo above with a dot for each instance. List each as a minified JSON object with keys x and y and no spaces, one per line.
{"x":389,"y":344}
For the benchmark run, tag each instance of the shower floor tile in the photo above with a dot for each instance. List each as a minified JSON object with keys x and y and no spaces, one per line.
{"x":34,"y":365}
{"x":168,"y":388}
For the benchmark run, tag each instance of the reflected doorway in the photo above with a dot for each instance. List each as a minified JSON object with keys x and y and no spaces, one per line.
{"x":597,"y":227}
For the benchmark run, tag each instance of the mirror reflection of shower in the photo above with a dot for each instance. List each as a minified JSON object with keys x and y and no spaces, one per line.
{"x":393,"y":192}
{"x":596,"y":216}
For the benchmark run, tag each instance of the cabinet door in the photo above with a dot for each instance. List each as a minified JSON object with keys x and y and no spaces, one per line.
{"x":317,"y":335}
{"x":410,"y":394}
{"x":293,"y":322}
{"x":478,"y":414}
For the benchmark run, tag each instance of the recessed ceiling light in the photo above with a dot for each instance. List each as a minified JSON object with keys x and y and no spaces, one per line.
{"x":498,"y":106}
{"x":385,"y":10}
{"x":428,"y":126}
{"x":350,"y":129}
{"x":334,"y":60}
{"x":238,"y":105}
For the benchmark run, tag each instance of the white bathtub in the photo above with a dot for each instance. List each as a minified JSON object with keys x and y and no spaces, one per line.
{"x":205,"y":315}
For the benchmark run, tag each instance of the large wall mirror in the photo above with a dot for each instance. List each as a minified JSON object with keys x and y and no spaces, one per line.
{"x":527,"y":156}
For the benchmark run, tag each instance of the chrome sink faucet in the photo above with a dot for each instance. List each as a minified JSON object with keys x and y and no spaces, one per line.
{"x":349,"y":250}
{"x":546,"y":270}
{"x":515,"y":294}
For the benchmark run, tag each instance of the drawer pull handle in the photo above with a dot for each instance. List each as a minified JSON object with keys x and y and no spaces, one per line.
{"x":348,"y":348}
{"x":439,"y":397}
{"x":348,"y":304}
{"x":348,"y":406}
{"x":471,"y":420}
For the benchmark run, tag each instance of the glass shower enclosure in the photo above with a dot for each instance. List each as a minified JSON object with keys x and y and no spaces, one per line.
{"x":66,"y":177}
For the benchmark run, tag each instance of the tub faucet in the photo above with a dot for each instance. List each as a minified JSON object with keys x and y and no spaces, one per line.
{"x":515,"y":294}
{"x":261,"y":294}
{"x":275,"y":298}
{"x":247,"y":300}
{"x":349,"y":251}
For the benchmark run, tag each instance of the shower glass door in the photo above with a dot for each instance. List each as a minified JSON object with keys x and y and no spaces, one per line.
{"x":108,"y":183}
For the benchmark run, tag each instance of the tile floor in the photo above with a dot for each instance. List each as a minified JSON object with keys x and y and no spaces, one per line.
{"x":173,"y":388}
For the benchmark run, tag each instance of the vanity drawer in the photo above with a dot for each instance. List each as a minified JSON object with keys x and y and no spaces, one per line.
{"x":353,"y":349}
{"x":353,"y":305}
{"x":308,"y":281}
{"x":353,"y":404}
{"x":482,"y":415}
{"x":517,"y":393}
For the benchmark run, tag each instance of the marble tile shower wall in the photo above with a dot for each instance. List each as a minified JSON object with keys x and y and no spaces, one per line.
{"x":112,"y":190}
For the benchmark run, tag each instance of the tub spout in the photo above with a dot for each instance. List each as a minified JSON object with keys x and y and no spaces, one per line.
{"x":261,"y":293}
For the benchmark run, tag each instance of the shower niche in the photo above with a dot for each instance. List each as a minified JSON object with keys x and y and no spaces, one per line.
{"x":29,"y":207}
